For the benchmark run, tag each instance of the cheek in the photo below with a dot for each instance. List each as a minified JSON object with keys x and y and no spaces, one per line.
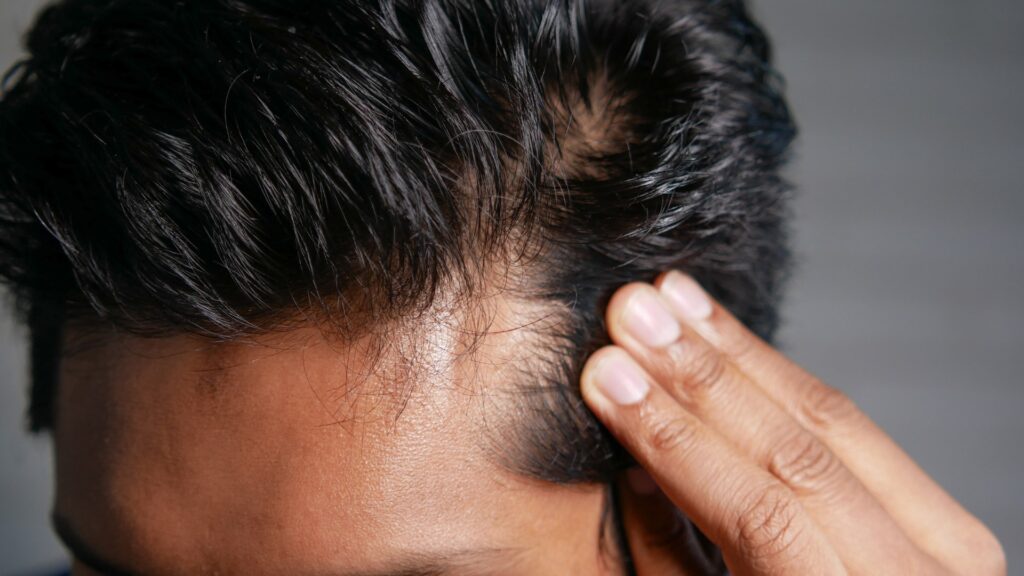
{"x":89,"y":478}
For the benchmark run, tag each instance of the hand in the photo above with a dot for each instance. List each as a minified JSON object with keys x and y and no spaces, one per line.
{"x":783,"y":473}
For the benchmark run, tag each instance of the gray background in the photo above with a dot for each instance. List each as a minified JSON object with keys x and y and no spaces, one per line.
{"x":907,"y":231}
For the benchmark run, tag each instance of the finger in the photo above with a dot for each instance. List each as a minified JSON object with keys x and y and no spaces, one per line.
{"x":662,"y":541}
{"x":758,"y":522}
{"x":703,"y":380}
{"x":929,"y":515}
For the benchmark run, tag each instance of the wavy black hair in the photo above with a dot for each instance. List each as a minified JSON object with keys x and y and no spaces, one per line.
{"x":223,"y":167}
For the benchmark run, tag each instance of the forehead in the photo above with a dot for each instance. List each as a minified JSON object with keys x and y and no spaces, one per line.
{"x":299,"y":451}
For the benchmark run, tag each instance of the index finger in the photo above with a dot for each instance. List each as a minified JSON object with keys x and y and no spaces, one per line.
{"x":933,"y":519}
{"x":757,"y":521}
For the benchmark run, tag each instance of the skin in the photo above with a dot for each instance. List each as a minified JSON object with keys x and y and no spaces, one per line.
{"x":289,"y":457}
{"x":296,"y":454}
{"x":781,"y":471}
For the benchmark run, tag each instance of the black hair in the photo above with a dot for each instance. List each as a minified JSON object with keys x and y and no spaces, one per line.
{"x":222,"y":167}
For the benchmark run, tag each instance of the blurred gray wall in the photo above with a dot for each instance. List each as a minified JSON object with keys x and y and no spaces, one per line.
{"x":26,"y":473}
{"x":907,"y":232}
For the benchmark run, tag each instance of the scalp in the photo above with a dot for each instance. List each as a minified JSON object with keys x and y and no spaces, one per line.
{"x":234,"y":168}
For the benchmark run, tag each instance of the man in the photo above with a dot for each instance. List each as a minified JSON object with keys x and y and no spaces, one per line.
{"x":311,"y":284}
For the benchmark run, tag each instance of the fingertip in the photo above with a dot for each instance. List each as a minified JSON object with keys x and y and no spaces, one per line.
{"x":660,"y":279}
{"x":638,"y":314}
{"x":612,"y":378}
{"x":617,"y":304}
{"x":588,"y":385}
{"x":685,"y":295}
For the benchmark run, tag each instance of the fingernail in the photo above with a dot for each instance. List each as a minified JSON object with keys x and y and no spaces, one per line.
{"x":620,"y":380}
{"x":686,"y":295}
{"x":640,"y":481}
{"x":649,"y":320}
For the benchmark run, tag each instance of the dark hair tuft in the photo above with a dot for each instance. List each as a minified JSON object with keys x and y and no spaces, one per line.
{"x":218,"y":166}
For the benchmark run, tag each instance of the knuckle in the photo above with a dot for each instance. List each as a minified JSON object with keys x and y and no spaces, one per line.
{"x":768,"y":529}
{"x":670,"y":434}
{"x":700,"y":372}
{"x":804,"y":462}
{"x":829,"y":408}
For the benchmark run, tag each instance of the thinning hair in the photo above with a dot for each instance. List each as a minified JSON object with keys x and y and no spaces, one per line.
{"x":223,"y":167}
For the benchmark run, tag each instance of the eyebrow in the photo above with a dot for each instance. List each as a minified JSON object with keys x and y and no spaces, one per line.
{"x":414,"y":564}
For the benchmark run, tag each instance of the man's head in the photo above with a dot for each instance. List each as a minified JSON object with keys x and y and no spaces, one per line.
{"x":329,"y":269}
